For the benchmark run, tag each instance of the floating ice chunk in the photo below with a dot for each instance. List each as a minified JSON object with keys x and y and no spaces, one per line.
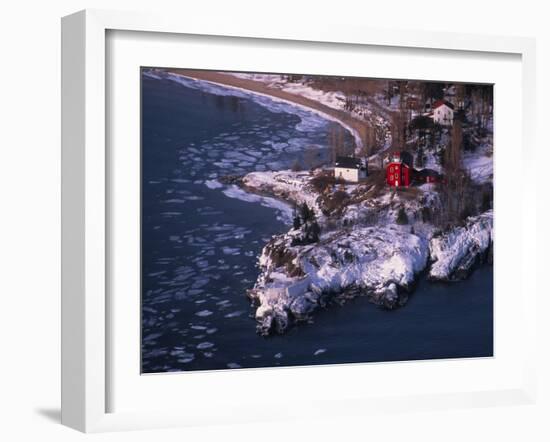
{"x":234,"y":314}
{"x":320,"y":351}
{"x":156,"y":352}
{"x":230,"y":250}
{"x":200,"y":283}
{"x":198,"y":327}
{"x":202,"y":263}
{"x":205,"y":345}
{"x":254,"y":153}
{"x":233,"y":365}
{"x":152,"y":336}
{"x":213,"y":184}
{"x":203,"y":313}
{"x":278,"y":356}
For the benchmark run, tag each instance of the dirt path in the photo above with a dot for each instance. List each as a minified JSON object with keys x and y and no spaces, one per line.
{"x":392,"y":117}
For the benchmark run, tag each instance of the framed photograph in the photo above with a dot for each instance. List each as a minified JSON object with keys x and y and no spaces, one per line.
{"x":276,"y":196}
{"x":309,"y":217}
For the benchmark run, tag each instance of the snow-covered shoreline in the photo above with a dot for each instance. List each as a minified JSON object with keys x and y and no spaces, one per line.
{"x":206,"y":85}
{"x":454,"y":253}
{"x":379,"y":259}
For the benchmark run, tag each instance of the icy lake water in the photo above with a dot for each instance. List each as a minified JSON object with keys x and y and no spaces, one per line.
{"x":201,"y":239}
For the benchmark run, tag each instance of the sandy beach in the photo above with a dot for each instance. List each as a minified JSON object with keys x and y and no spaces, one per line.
{"x":359,"y":127}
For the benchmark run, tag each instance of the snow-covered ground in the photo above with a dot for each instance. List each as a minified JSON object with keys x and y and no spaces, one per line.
{"x":283,"y":209}
{"x":285,"y":184}
{"x":392,"y":105}
{"x":480,"y":167}
{"x":334,"y":99}
{"x":479,"y":163}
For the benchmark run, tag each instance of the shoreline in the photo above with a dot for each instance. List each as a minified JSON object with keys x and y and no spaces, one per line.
{"x":353,"y":125}
{"x":294,"y":280}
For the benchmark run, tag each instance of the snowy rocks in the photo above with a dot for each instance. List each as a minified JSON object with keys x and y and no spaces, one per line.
{"x":380,"y":262}
{"x":303,"y":305}
{"x":285,"y":184}
{"x":454,"y":253}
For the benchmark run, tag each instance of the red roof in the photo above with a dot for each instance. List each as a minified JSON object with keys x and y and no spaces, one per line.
{"x":441,"y":103}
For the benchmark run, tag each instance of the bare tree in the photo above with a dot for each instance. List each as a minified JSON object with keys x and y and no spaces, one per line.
{"x":456,"y":194}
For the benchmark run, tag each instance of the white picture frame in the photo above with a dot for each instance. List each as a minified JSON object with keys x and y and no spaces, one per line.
{"x":85,"y":211}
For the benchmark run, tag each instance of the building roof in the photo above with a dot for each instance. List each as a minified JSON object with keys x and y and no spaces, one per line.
{"x":348,"y":162}
{"x":441,"y":103}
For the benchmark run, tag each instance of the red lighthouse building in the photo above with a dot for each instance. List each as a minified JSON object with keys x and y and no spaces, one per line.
{"x":399,"y":170}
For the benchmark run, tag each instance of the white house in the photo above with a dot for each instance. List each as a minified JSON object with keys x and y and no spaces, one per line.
{"x":350,"y":169}
{"x":443,"y":113}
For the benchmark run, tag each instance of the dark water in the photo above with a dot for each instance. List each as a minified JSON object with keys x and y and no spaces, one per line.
{"x":201,"y":239}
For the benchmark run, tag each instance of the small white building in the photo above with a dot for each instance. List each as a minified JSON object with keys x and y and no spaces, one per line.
{"x":350,"y":169}
{"x":443,"y":113}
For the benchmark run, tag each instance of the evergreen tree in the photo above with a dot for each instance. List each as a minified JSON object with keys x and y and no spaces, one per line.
{"x":296,"y":223}
{"x":306,"y":213}
{"x":314,"y":231}
{"x":310,"y":226}
{"x":402,"y":218}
